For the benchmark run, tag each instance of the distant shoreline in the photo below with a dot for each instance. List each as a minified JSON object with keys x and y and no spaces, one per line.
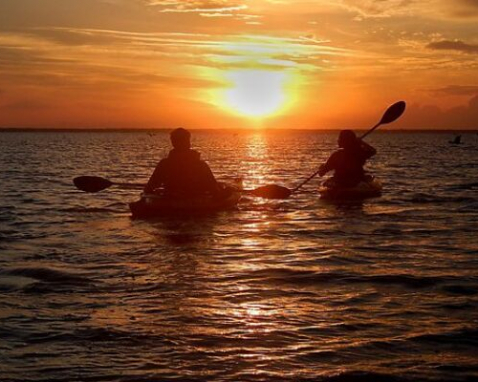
{"x":224,"y":130}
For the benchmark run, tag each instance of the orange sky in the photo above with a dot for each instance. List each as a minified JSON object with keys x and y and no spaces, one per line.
{"x":232,"y":64}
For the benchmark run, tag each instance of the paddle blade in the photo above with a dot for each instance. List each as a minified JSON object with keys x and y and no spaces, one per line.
{"x":272,"y":191}
{"x":393,"y":112}
{"x":91,"y":183}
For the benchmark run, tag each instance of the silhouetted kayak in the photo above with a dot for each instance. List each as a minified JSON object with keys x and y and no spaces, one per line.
{"x":369,"y":188}
{"x":154,"y":205}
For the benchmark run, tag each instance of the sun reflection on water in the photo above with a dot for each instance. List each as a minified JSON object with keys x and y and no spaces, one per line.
{"x":256,"y":161}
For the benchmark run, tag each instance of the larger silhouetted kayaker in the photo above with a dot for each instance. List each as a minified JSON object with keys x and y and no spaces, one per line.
{"x":182,"y":173}
{"x":347,"y":162}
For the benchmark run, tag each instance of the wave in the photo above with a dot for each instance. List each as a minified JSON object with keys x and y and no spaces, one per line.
{"x":424,"y":198}
{"x":463,"y":186}
{"x":48,"y":275}
{"x":286,"y":275}
{"x":95,"y":335}
{"x":461,"y":337}
{"x":463,"y":290}
{"x":261,"y":377}
{"x":359,"y":376}
{"x":85,"y":210}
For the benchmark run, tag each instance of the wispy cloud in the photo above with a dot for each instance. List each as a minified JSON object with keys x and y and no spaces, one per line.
{"x":456,"y":45}
{"x":182,"y":9}
{"x":457,"y":90}
{"x":413,"y":8}
{"x":377,"y":8}
{"x":84,"y":57}
{"x":205,"y":8}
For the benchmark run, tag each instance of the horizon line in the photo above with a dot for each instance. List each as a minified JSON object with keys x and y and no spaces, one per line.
{"x":165,"y":129}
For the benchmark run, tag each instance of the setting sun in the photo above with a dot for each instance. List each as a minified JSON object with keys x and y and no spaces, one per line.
{"x":256,"y":93}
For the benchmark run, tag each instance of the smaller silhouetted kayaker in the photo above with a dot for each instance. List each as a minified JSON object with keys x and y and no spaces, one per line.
{"x":182,"y":173}
{"x":457,"y":140}
{"x":347,"y":163}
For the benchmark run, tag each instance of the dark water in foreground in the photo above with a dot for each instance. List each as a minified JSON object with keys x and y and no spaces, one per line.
{"x":296,"y":290}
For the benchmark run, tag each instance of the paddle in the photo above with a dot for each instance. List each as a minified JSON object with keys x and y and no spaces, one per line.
{"x":96,"y":184}
{"x":274,"y":191}
{"x":391,"y":115}
{"x":93,"y":184}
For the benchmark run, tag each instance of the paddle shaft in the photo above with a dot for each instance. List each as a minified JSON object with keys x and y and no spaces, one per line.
{"x":96,"y":184}
{"x":129,"y":185}
{"x":141,"y":186}
{"x":371,"y":130}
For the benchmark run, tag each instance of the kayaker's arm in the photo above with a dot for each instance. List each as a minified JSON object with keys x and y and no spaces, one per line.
{"x":329,"y":165}
{"x":157,"y":178}
{"x":368,"y":150}
{"x":208,"y":181}
{"x":323,"y":170}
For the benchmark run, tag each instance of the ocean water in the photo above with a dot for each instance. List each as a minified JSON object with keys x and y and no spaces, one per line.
{"x":294,"y":290}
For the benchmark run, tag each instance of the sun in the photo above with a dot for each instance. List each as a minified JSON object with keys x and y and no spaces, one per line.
{"x":255,"y":93}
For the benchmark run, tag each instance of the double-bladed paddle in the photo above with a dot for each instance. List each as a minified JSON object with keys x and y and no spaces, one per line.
{"x":93,"y":184}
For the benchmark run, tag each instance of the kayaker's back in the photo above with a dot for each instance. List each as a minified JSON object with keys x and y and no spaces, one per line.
{"x":184,"y":173}
{"x":348,"y":166}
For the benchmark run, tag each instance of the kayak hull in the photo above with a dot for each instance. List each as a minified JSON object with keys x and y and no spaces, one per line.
{"x":153,"y":206}
{"x":370,"y":188}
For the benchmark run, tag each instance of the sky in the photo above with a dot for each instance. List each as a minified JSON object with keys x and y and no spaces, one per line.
{"x":316,"y":64}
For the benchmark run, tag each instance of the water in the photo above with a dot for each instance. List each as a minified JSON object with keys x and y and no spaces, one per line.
{"x":295,"y":290}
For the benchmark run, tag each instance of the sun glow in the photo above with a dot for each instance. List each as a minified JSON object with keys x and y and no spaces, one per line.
{"x":256,"y":93}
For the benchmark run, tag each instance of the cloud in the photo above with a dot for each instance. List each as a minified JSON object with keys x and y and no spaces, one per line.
{"x":197,"y":6}
{"x":432,"y":117}
{"x":462,"y":8}
{"x":82,"y":59}
{"x":377,"y":8}
{"x":457,"y":90}
{"x":472,"y":3}
{"x":450,"y":9}
{"x":183,"y":9}
{"x":25,"y":105}
{"x":362,"y":8}
{"x":70,"y":36}
{"x":207,"y":8}
{"x":424,"y":8}
{"x":457,"y":45}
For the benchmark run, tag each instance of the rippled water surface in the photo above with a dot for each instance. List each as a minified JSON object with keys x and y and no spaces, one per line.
{"x":294,"y":290}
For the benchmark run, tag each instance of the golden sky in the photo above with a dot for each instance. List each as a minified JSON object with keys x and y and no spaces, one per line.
{"x":231,"y":64}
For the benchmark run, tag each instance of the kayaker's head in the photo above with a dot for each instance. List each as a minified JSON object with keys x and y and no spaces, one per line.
{"x":347,"y":139}
{"x":181,"y":139}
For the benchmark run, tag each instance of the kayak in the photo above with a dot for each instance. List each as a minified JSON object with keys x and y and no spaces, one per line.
{"x":157,"y":205}
{"x":368,"y":188}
